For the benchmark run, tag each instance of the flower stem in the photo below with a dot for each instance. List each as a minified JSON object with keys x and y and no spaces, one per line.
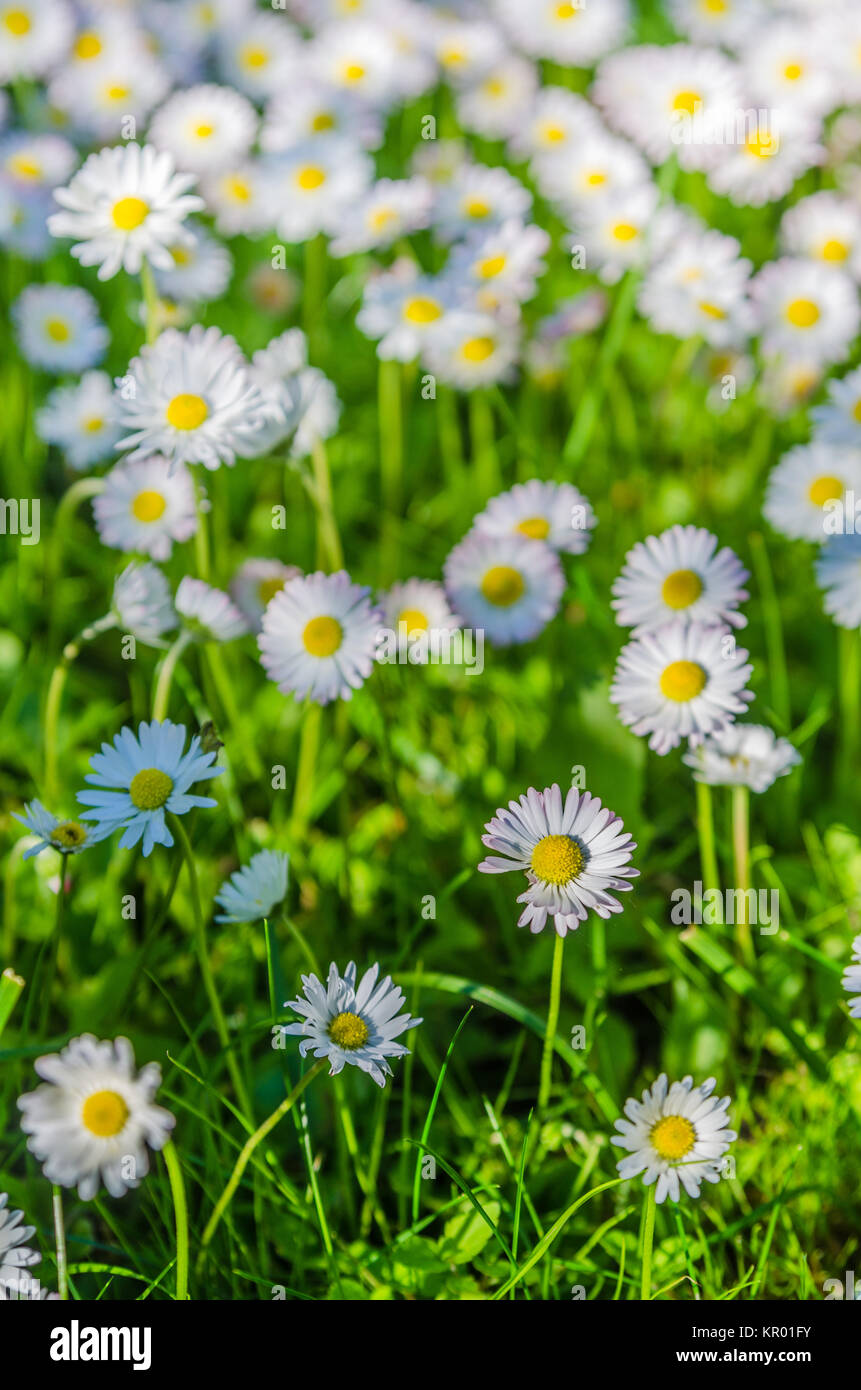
{"x":165,"y":674}
{"x":11,"y":986}
{"x":552,"y":1020}
{"x":706,"y":834}
{"x":180,"y":1211}
{"x":68,"y":505}
{"x":213,"y":657}
{"x":648,"y":1242}
{"x":152,"y":303}
{"x":54,"y":699}
{"x":848,"y":694}
{"x":741,"y":859}
{"x":309,"y":743}
{"x":390,"y":417}
{"x":201,"y":535}
{"x":60,"y":1241}
{"x":329,"y":552}
{"x":482,"y":436}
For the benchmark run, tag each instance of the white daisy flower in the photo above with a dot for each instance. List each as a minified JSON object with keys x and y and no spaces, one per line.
{"x":311,"y":109}
{"x":190,"y":397}
{"x":318,"y":410}
{"x":34,"y":36}
{"x":259,"y":53}
{"x":845,"y":53}
{"x":107,"y":36}
{"x":98,"y":98}
{"x":730,"y":23}
{"x":597,"y":166}
{"x":79,"y":420}
{"x":770,"y":154}
{"x":698,"y":288}
{"x":318,"y":637}
{"x":201,"y":269}
{"x":251,"y":892}
{"x":240,"y":199}
{"x":52,"y":832}
{"x":404,"y":310}
{"x":556,"y":124}
{"x":573,"y":854}
{"x":507,"y":587}
{"x":465,"y":48}
{"x":141,"y":778}
{"x":205,"y":128}
{"x":23,"y":222}
{"x":33,"y":161}
{"x":278,"y":370}
{"x":838,"y":574}
{"x":59,"y":328}
{"x":123,"y":206}
{"x":15,"y":1254}
{"x":93,"y":1118}
{"x":473,"y":349}
{"x":743,"y":755}
{"x":500,"y":99}
{"x":787,"y":383}
{"x":679,"y":575}
{"x":391,"y":209}
{"x":142,"y":603}
{"x":350,"y":1023}
{"x":805,"y":485}
{"x":417,"y":606}
{"x":208,"y":613}
{"x":556,"y":513}
{"x":852,"y":979}
{"x":789,"y":65}
{"x":503,"y":264}
{"x":682,"y":680}
{"x":676,"y":1133}
{"x":312,"y":186}
{"x":805,"y":310}
{"x":146,"y":506}
{"x":838,"y":421}
{"x":827,"y":228}
{"x":358,"y":57}
{"x":256,"y":583}
{"x":478,"y":198}
{"x":573,"y":34}
{"x":618,"y":232}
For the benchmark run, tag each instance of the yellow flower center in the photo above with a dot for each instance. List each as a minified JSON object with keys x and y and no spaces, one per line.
{"x":238,"y":189}
{"x":422,"y":310}
{"x":24,"y":168}
{"x":714,"y":6}
{"x":712,"y":311}
{"x":310,"y":177}
{"x":624,"y":231}
{"x":793,"y":71}
{"x":104,"y":1114}
{"x":150,"y":788}
{"x":477,"y":349}
{"x":254,"y":57}
{"x":594,"y":179}
{"x":68,"y":834}
{"x":322,"y":636}
{"x":17,"y":22}
{"x":681,"y":588}
{"x":673,"y":1137}
{"x":856,"y":411}
{"x":537,"y":528}
{"x":204,"y":131}
{"x":148,"y":505}
{"x":556,"y":859}
{"x":353,"y":72}
{"x":88,"y":46}
{"x":682,"y":681}
{"x":761,"y":144}
{"x":268,"y":588}
{"x":381,"y":219}
{"x":116,"y":93}
{"x":824,"y":489}
{"x":687,"y":101}
{"x":323,"y":121}
{"x":566,"y":11}
{"x":802,"y":313}
{"x":94,"y":424}
{"x":129,"y":213}
{"x":834,"y":250}
{"x":187,"y":412}
{"x":476,"y":207}
{"x":57,"y":330}
{"x":415,"y":620}
{"x":493,"y":266}
{"x":348,"y":1031}
{"x":502,"y":585}
{"x":553,"y":134}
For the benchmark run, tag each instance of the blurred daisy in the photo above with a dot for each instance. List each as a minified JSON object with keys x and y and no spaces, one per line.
{"x":350,"y":1023}
{"x":312,"y":109}
{"x":680,"y":575}
{"x":572,"y":34}
{"x":240,"y":199}
{"x":676,"y":1133}
{"x":59,"y":328}
{"x":805,"y":310}
{"x":838,"y":574}
{"x":682,"y":680}
{"x":146,"y":506}
{"x":273,"y":291}
{"x":556,"y":513}
{"x":573,"y":854}
{"x":258,"y":53}
{"x":827,"y":228}
{"x":125,"y":205}
{"x":838,"y":421}
{"x":314,"y":185}
{"x":729,"y":23}
{"x":15,"y":1254}
{"x":698,"y":288}
{"x":556,"y":124}
{"x":743,"y":755}
{"x":142,"y":603}
{"x":205,"y":128}
{"x":806,"y":484}
{"x":473,"y":349}
{"x":278,"y":370}
{"x":597,"y":167}
{"x":420,"y":605}
{"x":255,"y":585}
{"x":254,"y":890}
{"x":507,"y":587}
{"x":318,"y":637}
{"x":770,"y":154}
{"x":107,"y":35}
{"x":318,"y":411}
{"x":79,"y":420}
{"x":504,"y":264}
{"x":23,"y":218}
{"x":201,"y":269}
{"x":33,"y":161}
{"x":789,"y":65}
{"x":93,"y":1118}
{"x":207,"y":613}
{"x":477,"y":198}
{"x":100,"y":98}
{"x":616,"y":232}
{"x":852,"y":979}
{"x":356,"y":56}
{"x":34,"y":36}
{"x":391,"y":209}
{"x":189,"y":397}
{"x":404,"y":310}
{"x":786,"y":384}
{"x":142,"y":778}
{"x":500,"y":99}
{"x":65,"y":836}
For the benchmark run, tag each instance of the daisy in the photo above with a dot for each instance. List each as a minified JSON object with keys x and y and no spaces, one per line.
{"x":786,"y":383}
{"x":503,"y":264}
{"x":473,"y":349}
{"x":313,"y":186}
{"x":93,"y":1114}
{"x":680,"y":575}
{"x":106,"y":37}
{"x":838,"y":421}
{"x":682,"y":680}
{"x":743,"y":755}
{"x":259,"y":53}
{"x":852,"y":979}
{"x":572,"y":855}
{"x":404,"y":310}
{"x":202,"y":269}
{"x":100,"y":98}
{"x":278,"y":370}
{"x":142,"y":603}
{"x":391,"y":209}
{"x":675,"y":1133}
{"x":205,"y":128}
{"x":500,"y":99}
{"x":827,"y":228}
{"x":34,"y":35}
{"x":805,"y":310}
{"x":209,"y":614}
{"x":146,"y":506}
{"x":838,"y":574}
{"x":23,"y":219}
{"x":79,"y":420}
{"x":59,"y":328}
{"x":142,"y":778}
{"x":465,"y":48}
{"x":616,"y":232}
{"x":478,"y":198}
{"x":15,"y":1255}
{"x":698,"y":288}
{"x":125,"y":205}
{"x":597,"y":167}
{"x":318,"y":411}
{"x":346,"y":1022}
{"x":771,"y":151}
{"x":556,"y":124}
{"x":36,"y":161}
{"x":729,"y":23}
{"x":240,"y":199}
{"x":573,"y":34}
{"x":357,"y":57}
{"x":789,"y":65}
{"x":507,"y":587}
{"x":65,"y":836}
{"x":254,"y":890}
{"x":189,"y":397}
{"x":312,"y":109}
{"x":805,"y":486}
{"x":421,"y":606}
{"x":318,"y":637}
{"x":556,"y":513}
{"x":255,"y":585}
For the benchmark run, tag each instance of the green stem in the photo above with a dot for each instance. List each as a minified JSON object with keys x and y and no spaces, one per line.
{"x":391,"y":426}
{"x":582,"y":428}
{"x":309,"y":743}
{"x":180,"y":1211}
{"x":54,"y":699}
{"x":648,"y":1242}
{"x":552,"y":1021}
{"x":60,"y":1240}
{"x":152,"y":303}
{"x":329,"y":552}
{"x":848,"y":696}
{"x":779,"y":680}
{"x":201,"y":535}
{"x":165,"y":675}
{"x":741,"y":860}
{"x":214,"y":658}
{"x":72,"y":498}
{"x":53,"y":950}
{"x":11,"y":986}
{"x":314,"y":289}
{"x":482,"y":435}
{"x":706,"y":835}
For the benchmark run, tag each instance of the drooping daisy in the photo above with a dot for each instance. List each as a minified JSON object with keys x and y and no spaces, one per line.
{"x":773,"y":149}
{"x":682,"y":680}
{"x":680,"y":575}
{"x":852,"y":979}
{"x":318,"y":637}
{"x":810,"y":485}
{"x":404,"y":310}
{"x":573,"y":855}
{"x":391,"y":209}
{"x":141,"y":778}
{"x":556,"y":513}
{"x":416,"y":606}
{"x":255,"y":585}
{"x":313,"y":185}
{"x":34,"y":35}
{"x":838,"y":574}
{"x":501,"y":265}
{"x":252,"y":891}
{"x":350,"y":1023}
{"x":838,"y":421}
{"x":507,"y":587}
{"x":208,"y":613}
{"x":205,"y":128}
{"x":142,"y":603}
{"x":146,"y":506}
{"x":201,"y":269}
{"x":676,"y":1133}
{"x":15,"y":1254}
{"x":473,"y":349}
{"x":59,"y":328}
{"x":478,"y":198}
{"x":93,"y":1118}
{"x":574,"y":34}
{"x":743,"y":755}
{"x":189,"y":397}
{"x":125,"y":205}
{"x":827,"y":228}
{"x":79,"y":420}
{"x":806,"y":310}
{"x":65,"y":836}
